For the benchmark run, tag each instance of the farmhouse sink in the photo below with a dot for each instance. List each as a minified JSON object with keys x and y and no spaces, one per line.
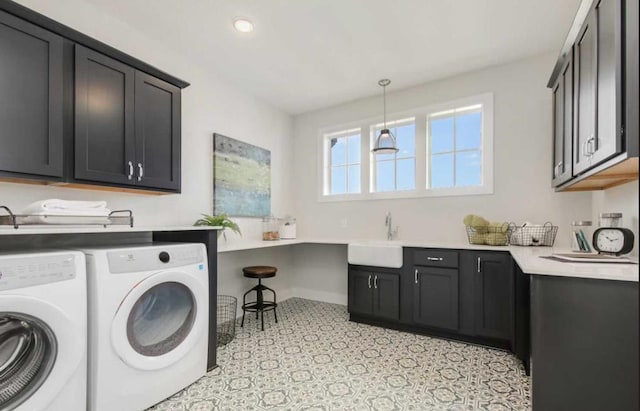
{"x":376,"y":254}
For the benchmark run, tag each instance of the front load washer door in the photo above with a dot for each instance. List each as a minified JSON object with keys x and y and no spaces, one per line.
{"x":40,"y":349}
{"x":160,"y":320}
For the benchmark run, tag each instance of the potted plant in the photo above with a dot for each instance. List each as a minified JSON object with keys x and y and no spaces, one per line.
{"x":220,"y":221}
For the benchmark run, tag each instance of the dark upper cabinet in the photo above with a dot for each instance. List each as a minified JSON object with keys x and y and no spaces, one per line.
{"x":127,"y":125}
{"x":374,"y":294}
{"x":493,"y":295}
{"x":157,"y":124}
{"x":31,"y":99}
{"x":600,"y":56}
{"x":435,"y":297}
{"x":76,"y":111}
{"x":598,"y":87}
{"x":104,"y":119}
{"x":563,"y":124}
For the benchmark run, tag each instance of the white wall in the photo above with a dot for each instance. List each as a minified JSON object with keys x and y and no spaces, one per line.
{"x":209,"y":105}
{"x":623,"y":199}
{"x":522,"y":153}
{"x":522,"y":173}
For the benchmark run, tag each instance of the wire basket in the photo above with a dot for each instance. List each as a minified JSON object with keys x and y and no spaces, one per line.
{"x":489,"y":235}
{"x":534,"y":235}
{"x":226,"y":319}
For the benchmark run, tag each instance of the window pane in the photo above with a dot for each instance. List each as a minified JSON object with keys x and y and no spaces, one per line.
{"x":406,"y":174}
{"x":468,"y":130}
{"x":338,"y":180}
{"x":406,"y":139}
{"x":338,"y":151}
{"x":442,"y":171}
{"x":441,"y":134}
{"x":354,"y":149}
{"x":354,"y":179}
{"x":468,"y":168}
{"x":385,"y":176}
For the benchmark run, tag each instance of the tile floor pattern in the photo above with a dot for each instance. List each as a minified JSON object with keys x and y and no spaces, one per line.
{"x":315,"y":359}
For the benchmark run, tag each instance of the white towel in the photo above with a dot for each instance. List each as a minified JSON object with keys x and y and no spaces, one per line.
{"x":64,"y":207}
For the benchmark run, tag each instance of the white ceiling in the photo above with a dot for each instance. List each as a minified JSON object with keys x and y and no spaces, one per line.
{"x":309,"y":54}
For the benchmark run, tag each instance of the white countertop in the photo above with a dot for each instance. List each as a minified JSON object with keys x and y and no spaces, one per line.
{"x":97,"y":229}
{"x":528,"y":258}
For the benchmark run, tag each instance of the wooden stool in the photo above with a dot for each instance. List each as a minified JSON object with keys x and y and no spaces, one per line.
{"x":259,"y":306}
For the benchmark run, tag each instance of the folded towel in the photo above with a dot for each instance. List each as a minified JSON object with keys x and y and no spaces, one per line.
{"x":50,"y":219}
{"x":63,"y":207}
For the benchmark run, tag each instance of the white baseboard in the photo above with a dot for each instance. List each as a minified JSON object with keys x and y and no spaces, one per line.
{"x":327,"y":297}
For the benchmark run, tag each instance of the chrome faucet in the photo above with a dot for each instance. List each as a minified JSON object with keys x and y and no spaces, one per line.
{"x":388,"y":223}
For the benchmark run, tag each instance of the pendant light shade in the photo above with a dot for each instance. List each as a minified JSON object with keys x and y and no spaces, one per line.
{"x":386,"y":142}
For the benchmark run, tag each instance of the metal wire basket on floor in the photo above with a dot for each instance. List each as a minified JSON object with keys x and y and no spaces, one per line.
{"x":226,"y":319}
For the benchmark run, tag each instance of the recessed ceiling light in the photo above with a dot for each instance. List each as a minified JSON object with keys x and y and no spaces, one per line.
{"x":243,"y":25}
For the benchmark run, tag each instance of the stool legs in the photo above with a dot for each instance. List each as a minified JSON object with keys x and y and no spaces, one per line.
{"x":260,"y":305}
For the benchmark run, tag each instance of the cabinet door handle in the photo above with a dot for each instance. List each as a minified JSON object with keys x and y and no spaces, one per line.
{"x":415,"y":276}
{"x":369,"y":281}
{"x":375,"y":282}
{"x":479,"y":265}
{"x":140,"y":171}
{"x":434,"y":258}
{"x":130,"y":175}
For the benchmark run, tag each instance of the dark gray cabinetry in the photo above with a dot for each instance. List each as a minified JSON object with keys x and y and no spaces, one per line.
{"x":598,"y":93}
{"x":563,"y":124}
{"x":157,"y":110}
{"x":374,"y":293}
{"x":104,"y":119}
{"x":584,"y":344}
{"x":435,"y":289}
{"x":493,"y":295}
{"x":31,"y":99}
{"x":127,"y":125}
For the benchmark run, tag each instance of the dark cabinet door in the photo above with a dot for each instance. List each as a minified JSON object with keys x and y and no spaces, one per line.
{"x":563,"y":124}
{"x":386,"y":296}
{"x":585,"y":94}
{"x":157,"y":123}
{"x":360,"y":299}
{"x":493,"y":295}
{"x":31,"y":99}
{"x":104,"y":119}
{"x":608,"y":139}
{"x":598,"y":87}
{"x":435,"y":297}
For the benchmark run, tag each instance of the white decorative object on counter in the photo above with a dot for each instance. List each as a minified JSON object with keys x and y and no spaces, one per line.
{"x":288,"y":229}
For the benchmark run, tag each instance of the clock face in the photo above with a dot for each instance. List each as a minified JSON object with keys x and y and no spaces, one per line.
{"x":610,"y":240}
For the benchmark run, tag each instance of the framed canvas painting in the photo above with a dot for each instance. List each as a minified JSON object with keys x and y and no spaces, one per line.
{"x":241,"y":178}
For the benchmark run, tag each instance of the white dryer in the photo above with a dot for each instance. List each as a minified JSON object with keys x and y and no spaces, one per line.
{"x":43,"y":331}
{"x":148,"y":322}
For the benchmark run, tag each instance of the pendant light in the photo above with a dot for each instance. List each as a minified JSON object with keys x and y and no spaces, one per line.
{"x":386,"y":142}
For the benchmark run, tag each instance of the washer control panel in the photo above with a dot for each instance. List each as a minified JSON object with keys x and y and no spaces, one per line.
{"x":154,"y":258}
{"x":22,"y":272}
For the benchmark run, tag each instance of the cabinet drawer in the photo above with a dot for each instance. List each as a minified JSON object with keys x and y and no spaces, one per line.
{"x":435,"y":258}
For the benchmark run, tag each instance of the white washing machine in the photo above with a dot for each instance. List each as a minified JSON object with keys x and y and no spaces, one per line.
{"x":43,"y":331}
{"x":148,"y":322}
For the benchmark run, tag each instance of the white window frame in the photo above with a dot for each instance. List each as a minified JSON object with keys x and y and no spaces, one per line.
{"x":373,"y":131}
{"x":422,"y":158}
{"x":327,"y":165}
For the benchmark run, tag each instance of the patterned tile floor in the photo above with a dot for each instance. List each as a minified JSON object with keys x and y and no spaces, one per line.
{"x":315,"y":359}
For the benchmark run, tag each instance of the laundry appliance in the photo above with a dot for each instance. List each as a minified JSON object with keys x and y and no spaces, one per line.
{"x":43,"y":331}
{"x":148,"y":323}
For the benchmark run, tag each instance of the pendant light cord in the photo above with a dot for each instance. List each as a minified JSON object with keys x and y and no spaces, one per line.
{"x":384,"y":103}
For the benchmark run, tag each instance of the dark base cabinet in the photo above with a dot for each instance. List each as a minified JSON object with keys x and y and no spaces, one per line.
{"x":374,"y":292}
{"x":584,"y":344}
{"x":473,"y":296}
